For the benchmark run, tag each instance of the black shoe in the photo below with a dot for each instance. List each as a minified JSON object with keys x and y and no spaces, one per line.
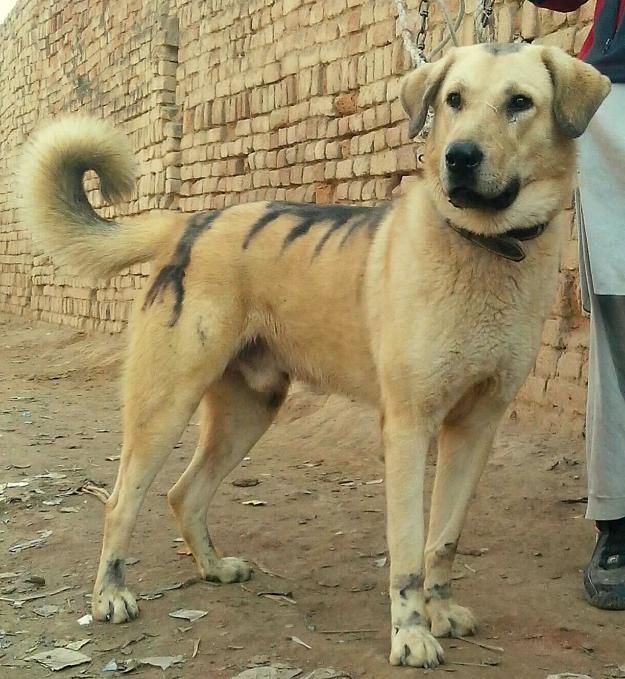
{"x":604,"y":577}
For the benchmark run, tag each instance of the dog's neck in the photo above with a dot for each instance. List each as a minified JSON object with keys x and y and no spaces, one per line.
{"x":507,"y":245}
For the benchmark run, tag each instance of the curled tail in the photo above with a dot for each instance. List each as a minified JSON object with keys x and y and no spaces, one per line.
{"x":56,"y":207}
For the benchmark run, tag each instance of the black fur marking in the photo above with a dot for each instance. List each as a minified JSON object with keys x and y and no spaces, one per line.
{"x":326,"y":237}
{"x":269,"y":216}
{"x":275,"y":399}
{"x":114,"y":574}
{"x":371,"y":221}
{"x":440,"y":592}
{"x":300,"y":230}
{"x":173,"y":274}
{"x":201,"y":333}
{"x":415,"y":618}
{"x":309,"y":214}
{"x":406,"y":583}
{"x":499,"y":49}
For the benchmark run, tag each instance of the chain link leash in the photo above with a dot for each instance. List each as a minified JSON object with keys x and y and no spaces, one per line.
{"x":484,"y":30}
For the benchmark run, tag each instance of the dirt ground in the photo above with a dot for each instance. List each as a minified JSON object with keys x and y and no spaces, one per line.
{"x":317,"y":542}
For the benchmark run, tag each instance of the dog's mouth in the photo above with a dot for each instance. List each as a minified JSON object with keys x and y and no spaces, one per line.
{"x":464,"y":197}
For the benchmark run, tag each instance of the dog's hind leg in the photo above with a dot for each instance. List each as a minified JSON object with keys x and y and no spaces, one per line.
{"x":463,"y":448}
{"x":167,"y":372}
{"x":234,"y":417}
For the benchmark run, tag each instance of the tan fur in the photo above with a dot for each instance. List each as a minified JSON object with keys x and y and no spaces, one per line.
{"x":55,"y":159}
{"x":407,"y":315}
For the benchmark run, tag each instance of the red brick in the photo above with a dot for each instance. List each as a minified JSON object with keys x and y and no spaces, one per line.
{"x":324,"y":193}
{"x":345,"y":104}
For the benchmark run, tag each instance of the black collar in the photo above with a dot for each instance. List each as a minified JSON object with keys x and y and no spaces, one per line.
{"x":505,"y":244}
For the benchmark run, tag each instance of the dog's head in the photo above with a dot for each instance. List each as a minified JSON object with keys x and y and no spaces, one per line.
{"x":500,"y":154}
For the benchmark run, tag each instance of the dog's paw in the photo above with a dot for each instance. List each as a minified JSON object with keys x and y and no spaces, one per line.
{"x":450,"y":620}
{"x":416,"y":647}
{"x":226,"y":570}
{"x":114,"y":604}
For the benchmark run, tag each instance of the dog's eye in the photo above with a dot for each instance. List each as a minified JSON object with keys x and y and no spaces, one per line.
{"x":519,"y":103}
{"x":454,"y":100}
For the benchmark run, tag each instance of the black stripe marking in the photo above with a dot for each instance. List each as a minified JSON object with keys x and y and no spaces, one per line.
{"x":333,"y":228}
{"x":309,"y":214}
{"x":407,"y":583}
{"x":440,"y":592}
{"x":373,"y":217}
{"x":173,"y":274}
{"x":497,"y":49}
{"x":114,"y":574}
{"x":269,"y":216}
{"x":414,"y":619}
{"x":300,"y":230}
{"x":367,"y":219}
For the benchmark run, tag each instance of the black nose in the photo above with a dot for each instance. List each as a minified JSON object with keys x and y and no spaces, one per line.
{"x":463,"y":157}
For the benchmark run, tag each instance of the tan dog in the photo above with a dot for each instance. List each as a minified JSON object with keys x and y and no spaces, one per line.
{"x":430,"y":307}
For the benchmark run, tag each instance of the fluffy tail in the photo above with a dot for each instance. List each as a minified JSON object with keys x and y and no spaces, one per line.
{"x":57,"y":210}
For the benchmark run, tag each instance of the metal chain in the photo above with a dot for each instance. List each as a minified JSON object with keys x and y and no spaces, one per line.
{"x":415,"y":49}
{"x":484,"y":29}
{"x":424,"y":12}
{"x":416,"y":46}
{"x":488,"y":12}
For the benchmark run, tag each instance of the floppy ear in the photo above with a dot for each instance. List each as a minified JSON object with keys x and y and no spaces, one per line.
{"x":418,"y":90}
{"x":578,"y":88}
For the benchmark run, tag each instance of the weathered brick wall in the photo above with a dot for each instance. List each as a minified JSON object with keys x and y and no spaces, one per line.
{"x":118,"y":61}
{"x":251,"y":99}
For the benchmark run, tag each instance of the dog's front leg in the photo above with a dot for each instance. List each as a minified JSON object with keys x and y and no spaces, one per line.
{"x":463,"y":448}
{"x":406,"y":446}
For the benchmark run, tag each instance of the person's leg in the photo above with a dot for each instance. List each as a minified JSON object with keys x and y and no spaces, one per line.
{"x":601,"y":155}
{"x":604,"y":577}
{"x":605,"y":428}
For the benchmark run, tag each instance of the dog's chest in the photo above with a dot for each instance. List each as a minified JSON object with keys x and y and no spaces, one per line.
{"x":463,"y":325}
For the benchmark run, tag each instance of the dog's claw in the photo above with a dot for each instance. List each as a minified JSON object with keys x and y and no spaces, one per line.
{"x":448,"y":619}
{"x":227,"y":570}
{"x":416,"y":647}
{"x":114,"y":604}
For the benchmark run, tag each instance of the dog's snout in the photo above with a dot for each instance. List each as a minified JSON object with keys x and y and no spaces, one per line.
{"x":463,"y":157}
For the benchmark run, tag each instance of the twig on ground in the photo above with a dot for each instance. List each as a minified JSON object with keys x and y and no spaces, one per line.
{"x":32,"y":597}
{"x":498,"y":649}
{"x":266,"y":571}
{"x":100,"y":493}
{"x":347,"y":631}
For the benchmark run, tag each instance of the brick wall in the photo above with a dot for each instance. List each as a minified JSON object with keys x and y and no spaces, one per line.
{"x":118,"y":61}
{"x":235,"y":100}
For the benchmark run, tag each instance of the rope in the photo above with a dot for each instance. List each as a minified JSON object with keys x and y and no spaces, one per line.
{"x":417,"y":55}
{"x":416,"y":48}
{"x":484,"y":30}
{"x":452,"y":28}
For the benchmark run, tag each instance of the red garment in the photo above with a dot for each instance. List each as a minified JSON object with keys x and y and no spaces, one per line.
{"x":571,"y":6}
